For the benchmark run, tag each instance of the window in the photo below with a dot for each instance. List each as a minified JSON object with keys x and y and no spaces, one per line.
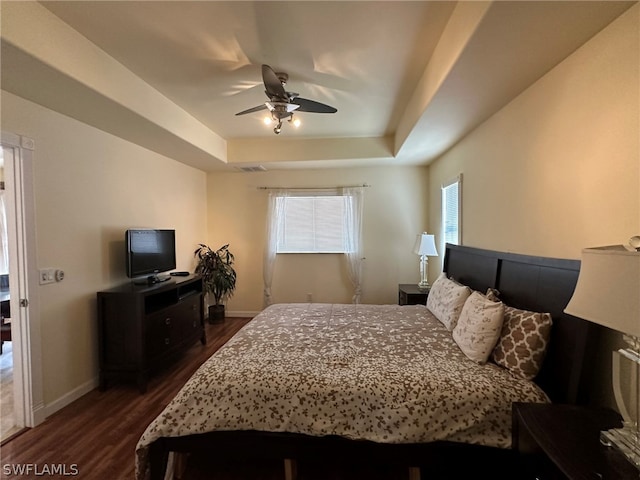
{"x":451,"y":211}
{"x":312,"y":224}
{"x":329,"y":220}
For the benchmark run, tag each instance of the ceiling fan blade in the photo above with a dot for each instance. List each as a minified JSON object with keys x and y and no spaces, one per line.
{"x":312,"y":106}
{"x":254,"y":109}
{"x":273,"y":85}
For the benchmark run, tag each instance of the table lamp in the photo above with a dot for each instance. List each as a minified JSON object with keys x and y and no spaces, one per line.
{"x":608,"y":293}
{"x":425,"y":247}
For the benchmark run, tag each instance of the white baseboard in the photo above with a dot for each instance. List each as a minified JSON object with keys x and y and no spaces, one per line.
{"x":72,"y":396}
{"x":38,"y":414}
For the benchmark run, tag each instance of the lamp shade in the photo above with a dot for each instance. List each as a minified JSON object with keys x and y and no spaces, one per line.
{"x":425,"y":245}
{"x":608,"y":289}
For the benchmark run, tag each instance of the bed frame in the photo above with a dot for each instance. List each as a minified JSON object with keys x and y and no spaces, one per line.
{"x":527,"y":282}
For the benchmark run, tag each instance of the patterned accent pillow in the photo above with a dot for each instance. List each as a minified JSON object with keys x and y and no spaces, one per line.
{"x":446,"y":299}
{"x":479,"y":327}
{"x":523,"y":341}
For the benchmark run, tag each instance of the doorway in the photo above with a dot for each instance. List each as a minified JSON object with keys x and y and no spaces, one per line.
{"x":8,"y":420}
{"x":17,"y":245}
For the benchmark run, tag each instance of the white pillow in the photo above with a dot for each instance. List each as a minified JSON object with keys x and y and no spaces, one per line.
{"x":479,"y":327}
{"x":446,"y":299}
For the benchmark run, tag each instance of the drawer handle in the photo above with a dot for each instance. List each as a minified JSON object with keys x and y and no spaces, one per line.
{"x":167,"y":321}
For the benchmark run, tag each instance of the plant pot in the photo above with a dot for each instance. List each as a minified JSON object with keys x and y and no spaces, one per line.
{"x":216,"y":313}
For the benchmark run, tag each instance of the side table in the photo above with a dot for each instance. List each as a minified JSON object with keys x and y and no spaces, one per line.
{"x":410,"y":294}
{"x":556,"y":441}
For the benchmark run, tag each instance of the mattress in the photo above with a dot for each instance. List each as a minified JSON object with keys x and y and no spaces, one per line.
{"x":384,"y":373}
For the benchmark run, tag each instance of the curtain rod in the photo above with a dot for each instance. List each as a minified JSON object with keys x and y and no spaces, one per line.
{"x":314,"y":188}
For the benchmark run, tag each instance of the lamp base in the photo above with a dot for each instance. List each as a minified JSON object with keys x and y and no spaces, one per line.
{"x":424,"y":263}
{"x":626,"y":440}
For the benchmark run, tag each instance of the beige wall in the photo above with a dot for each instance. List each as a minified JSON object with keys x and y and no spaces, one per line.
{"x":395,"y":211}
{"x":558,"y":169}
{"x":90,"y":187}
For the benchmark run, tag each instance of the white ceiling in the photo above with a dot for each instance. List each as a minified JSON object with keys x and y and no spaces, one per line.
{"x":409,"y":79}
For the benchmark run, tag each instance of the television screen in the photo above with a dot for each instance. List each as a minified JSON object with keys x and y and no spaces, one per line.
{"x":150,"y":251}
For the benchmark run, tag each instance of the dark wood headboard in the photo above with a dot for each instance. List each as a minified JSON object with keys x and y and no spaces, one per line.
{"x":541,"y":285}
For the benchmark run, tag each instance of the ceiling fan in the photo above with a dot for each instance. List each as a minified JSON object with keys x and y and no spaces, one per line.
{"x":283,"y":104}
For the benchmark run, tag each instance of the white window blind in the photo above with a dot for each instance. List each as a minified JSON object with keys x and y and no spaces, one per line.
{"x":451,"y":211}
{"x":312,"y":224}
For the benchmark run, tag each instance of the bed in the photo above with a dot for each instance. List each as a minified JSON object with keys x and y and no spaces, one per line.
{"x":376,"y":381}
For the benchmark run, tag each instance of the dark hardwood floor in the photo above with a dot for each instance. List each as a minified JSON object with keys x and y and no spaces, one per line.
{"x":95,"y":436}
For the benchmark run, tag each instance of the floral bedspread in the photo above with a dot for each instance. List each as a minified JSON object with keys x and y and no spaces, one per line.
{"x":386,"y":373}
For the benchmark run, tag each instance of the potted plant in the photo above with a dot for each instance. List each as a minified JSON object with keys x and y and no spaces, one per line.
{"x":218,"y":275}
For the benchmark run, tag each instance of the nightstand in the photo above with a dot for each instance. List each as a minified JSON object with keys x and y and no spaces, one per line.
{"x":410,"y":294}
{"x":563,"y":442}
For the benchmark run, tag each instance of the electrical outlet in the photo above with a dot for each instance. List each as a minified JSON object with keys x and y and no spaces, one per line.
{"x":47,"y":275}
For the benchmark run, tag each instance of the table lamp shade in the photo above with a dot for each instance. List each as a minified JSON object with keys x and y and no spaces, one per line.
{"x":608,"y":289}
{"x":425,"y":245}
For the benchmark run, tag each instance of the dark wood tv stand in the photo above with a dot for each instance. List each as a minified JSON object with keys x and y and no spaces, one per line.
{"x":141,"y":327}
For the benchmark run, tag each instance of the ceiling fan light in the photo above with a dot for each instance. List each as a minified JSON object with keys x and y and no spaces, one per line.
{"x":296,"y":121}
{"x":267,"y":120}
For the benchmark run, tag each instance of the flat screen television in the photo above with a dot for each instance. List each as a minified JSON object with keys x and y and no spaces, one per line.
{"x":150,"y":252}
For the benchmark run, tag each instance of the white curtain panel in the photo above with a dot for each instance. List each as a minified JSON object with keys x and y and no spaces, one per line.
{"x":274,"y":213}
{"x":353,"y":231}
